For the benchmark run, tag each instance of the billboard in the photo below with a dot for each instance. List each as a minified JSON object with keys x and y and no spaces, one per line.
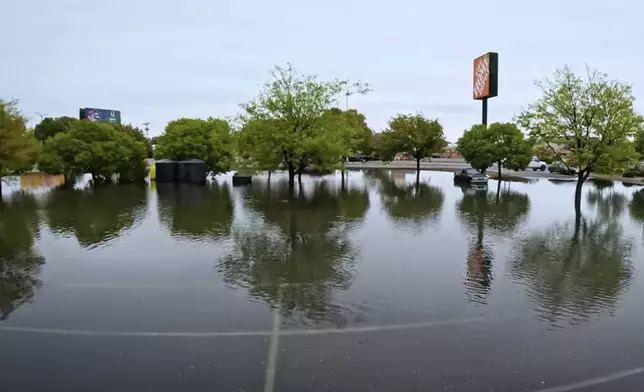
{"x":486,"y":78}
{"x":104,"y":115}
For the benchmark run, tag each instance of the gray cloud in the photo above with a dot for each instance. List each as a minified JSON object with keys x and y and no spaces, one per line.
{"x":156,"y":61}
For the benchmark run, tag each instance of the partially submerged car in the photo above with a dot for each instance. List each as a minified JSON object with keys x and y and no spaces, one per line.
{"x":559,"y":167}
{"x":470,"y":176}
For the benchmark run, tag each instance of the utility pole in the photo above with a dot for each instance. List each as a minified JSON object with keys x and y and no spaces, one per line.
{"x":147,"y":130}
{"x":346,"y":105}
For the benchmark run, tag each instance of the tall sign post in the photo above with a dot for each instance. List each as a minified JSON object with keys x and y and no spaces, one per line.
{"x":486,"y":80}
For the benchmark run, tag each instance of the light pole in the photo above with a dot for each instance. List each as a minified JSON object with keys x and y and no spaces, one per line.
{"x":147,"y":130}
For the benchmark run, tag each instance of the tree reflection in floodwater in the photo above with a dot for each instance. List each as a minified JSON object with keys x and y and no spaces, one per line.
{"x":195,"y":212}
{"x":19,"y":262}
{"x":495,"y":213}
{"x":95,"y":216}
{"x":410,"y":205}
{"x":578,"y":269}
{"x":294,"y":251}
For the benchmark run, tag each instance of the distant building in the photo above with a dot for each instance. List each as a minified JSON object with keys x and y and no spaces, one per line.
{"x":450,"y":151}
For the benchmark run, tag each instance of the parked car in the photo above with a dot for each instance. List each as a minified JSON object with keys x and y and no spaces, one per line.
{"x":559,"y":167}
{"x":470,"y":176}
{"x":537,"y":164}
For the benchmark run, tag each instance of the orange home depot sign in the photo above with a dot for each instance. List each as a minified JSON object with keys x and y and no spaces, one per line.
{"x":485,"y":76}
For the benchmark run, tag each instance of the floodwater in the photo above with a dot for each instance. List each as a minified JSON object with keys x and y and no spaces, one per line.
{"x":371,"y":284}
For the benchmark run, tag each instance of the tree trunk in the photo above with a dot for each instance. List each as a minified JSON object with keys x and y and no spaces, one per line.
{"x":269,"y":175}
{"x":499,"y":167}
{"x":291,"y":178}
{"x":0,"y":189}
{"x":580,"y":183}
{"x":498,"y":191}
{"x":417,"y":171}
{"x":299,"y":178}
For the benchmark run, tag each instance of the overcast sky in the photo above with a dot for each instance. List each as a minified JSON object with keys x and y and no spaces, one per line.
{"x":158,"y":60}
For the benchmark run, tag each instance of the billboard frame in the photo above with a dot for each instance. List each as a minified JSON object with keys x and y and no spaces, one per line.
{"x":485,"y":82}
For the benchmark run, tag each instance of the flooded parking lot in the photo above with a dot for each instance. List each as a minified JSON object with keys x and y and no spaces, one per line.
{"x":374,"y":283}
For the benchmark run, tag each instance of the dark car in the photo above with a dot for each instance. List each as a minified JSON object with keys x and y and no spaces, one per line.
{"x":470,"y":176}
{"x":558,"y":167}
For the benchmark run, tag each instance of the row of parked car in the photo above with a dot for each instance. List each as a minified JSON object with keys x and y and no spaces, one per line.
{"x":555,"y":167}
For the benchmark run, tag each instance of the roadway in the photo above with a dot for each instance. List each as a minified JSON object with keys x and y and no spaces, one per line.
{"x":450,"y":164}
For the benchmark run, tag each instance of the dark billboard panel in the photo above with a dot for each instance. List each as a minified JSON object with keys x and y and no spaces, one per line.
{"x":104,"y":115}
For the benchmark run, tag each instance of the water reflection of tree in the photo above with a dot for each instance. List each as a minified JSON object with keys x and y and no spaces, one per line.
{"x":636,"y":208}
{"x":498,"y":213}
{"x":19,"y":263}
{"x":295,"y":251}
{"x":196,"y":212}
{"x":609,"y":204}
{"x":409,"y":205}
{"x":575,"y":270}
{"x":95,"y":216}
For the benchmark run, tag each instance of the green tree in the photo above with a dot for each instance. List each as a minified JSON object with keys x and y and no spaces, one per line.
{"x":19,"y":262}
{"x":352,"y":125}
{"x":296,"y":103}
{"x":639,"y":143}
{"x":256,"y":146}
{"x":138,"y":135}
{"x":412,"y":134}
{"x":101,"y":149}
{"x":95,"y":216}
{"x":58,"y":156}
{"x":592,"y":115}
{"x":50,"y":127}
{"x":500,"y":143}
{"x":18,"y":146}
{"x":193,"y":138}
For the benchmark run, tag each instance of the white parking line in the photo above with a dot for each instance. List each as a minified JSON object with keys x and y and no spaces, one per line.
{"x":275,"y":332}
{"x":273,"y":350}
{"x":594,"y":381}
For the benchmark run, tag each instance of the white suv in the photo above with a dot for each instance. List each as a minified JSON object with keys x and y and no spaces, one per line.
{"x":537,"y":164}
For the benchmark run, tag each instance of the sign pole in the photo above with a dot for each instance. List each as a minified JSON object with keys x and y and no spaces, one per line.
{"x":484,"y":114}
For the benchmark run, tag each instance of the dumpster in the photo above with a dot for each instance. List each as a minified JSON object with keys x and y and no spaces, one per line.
{"x":165,"y":170}
{"x":192,"y":171}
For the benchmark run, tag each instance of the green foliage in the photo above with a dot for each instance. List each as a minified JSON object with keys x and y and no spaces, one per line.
{"x":592,"y":115}
{"x":102,"y":149}
{"x":18,"y":146}
{"x":192,"y":138}
{"x":413,"y":134}
{"x":256,"y":145}
{"x":295,"y":106}
{"x":58,"y":155}
{"x":138,"y":135}
{"x":500,"y":143}
{"x":544,"y":153}
{"x":639,"y":143}
{"x":50,"y":127}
